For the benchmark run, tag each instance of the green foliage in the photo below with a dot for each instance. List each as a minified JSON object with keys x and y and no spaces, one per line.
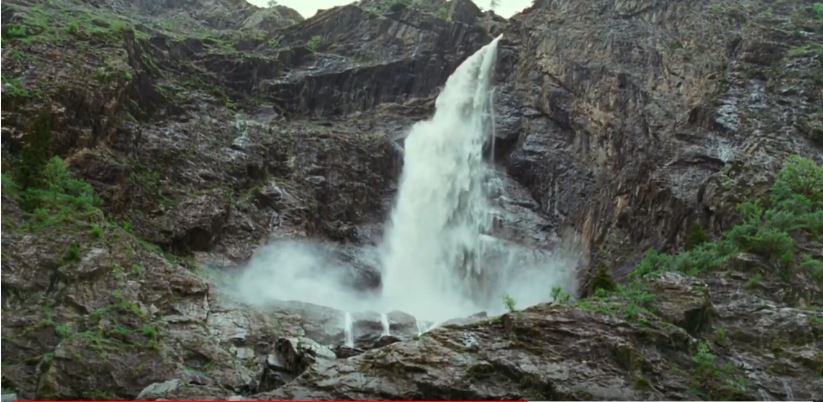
{"x":811,"y":50}
{"x":795,"y":204}
{"x":721,"y":336}
{"x":800,"y":181}
{"x":54,"y":24}
{"x":716,"y":382}
{"x":696,"y":237}
{"x":63,"y":331}
{"x":603,"y":280}
{"x":315,"y":43}
{"x":560,"y":296}
{"x":60,"y":198}
{"x":113,"y":72}
{"x":13,"y":87}
{"x":814,"y":266}
{"x":755,"y":281}
{"x":35,"y":153}
{"x":72,"y":253}
{"x":96,"y":231}
{"x":704,"y":360}
{"x":510,"y":303}
{"x":818,"y":9}
{"x":16,"y":32}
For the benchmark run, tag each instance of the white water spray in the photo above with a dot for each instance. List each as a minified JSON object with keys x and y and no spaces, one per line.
{"x":384,"y":321}
{"x":435,"y":239}
{"x":348,"y":330}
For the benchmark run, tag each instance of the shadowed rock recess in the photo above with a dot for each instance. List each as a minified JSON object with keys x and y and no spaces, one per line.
{"x":150,"y":148}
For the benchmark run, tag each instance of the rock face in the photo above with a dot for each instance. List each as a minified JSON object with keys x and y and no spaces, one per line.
{"x":207,"y":128}
{"x":627,"y":125}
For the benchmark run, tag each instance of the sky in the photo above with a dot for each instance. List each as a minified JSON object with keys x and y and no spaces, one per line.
{"x":308,"y":8}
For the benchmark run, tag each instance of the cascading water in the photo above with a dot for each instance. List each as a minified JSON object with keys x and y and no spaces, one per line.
{"x":435,"y":244}
{"x":443,"y":254}
{"x":384,"y":322}
{"x":348,"y":330}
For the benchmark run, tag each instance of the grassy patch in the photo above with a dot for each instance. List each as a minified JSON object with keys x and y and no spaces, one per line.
{"x":50,"y":24}
{"x":15,"y":88}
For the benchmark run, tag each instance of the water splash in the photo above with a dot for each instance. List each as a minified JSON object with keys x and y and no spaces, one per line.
{"x":384,"y":321}
{"x":348,"y":330}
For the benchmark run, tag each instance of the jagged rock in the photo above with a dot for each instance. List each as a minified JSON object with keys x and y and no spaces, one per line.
{"x":297,"y":354}
{"x":486,"y":360}
{"x":683,"y":301}
{"x":159,"y":390}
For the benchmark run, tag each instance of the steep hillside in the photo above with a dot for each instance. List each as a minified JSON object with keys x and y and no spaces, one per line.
{"x":151,"y":147}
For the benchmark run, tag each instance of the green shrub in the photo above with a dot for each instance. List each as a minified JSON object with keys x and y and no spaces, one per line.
{"x":766,"y":241}
{"x":35,"y":153}
{"x":315,"y":43}
{"x":96,"y":231}
{"x":72,"y":253}
{"x":16,"y":32}
{"x":653,"y":262}
{"x":510,"y":303}
{"x":717,"y":382}
{"x":14,"y":88}
{"x":63,"y":331}
{"x":560,"y":296}
{"x":754,"y":281}
{"x":814,"y":266}
{"x":603,"y":280}
{"x":800,"y":177}
{"x":696,"y":237}
{"x":795,"y":204}
{"x":818,"y":9}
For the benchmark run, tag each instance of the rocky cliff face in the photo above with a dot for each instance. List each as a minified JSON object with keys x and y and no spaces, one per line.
{"x":191,"y":133}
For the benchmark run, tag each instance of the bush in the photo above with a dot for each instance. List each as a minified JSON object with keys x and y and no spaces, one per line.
{"x":696,"y":237}
{"x":35,"y":153}
{"x":799,"y":180}
{"x":795,"y":204}
{"x":16,"y":32}
{"x":314,"y":43}
{"x":560,"y":296}
{"x":767,"y":241}
{"x":72,"y":253}
{"x":14,"y":88}
{"x":603,"y":280}
{"x":510,"y":303}
{"x":718,"y":382}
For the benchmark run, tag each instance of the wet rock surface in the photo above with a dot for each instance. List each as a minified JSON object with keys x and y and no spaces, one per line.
{"x":209,"y":128}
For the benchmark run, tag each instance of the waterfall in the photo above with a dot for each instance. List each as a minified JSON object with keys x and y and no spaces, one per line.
{"x":443,"y":255}
{"x":787,"y":389}
{"x":348,"y":330}
{"x":434,"y":244}
{"x":384,"y":321}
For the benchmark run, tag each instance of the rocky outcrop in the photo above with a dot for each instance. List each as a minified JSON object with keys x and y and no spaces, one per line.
{"x":626,"y":127}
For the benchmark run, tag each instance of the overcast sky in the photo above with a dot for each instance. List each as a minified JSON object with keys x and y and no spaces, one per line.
{"x":308,"y":8}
